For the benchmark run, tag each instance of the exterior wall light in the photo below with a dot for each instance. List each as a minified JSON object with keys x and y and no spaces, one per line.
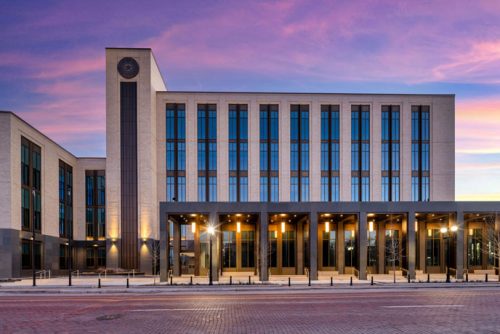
{"x":211,"y":230}
{"x":238,"y":227}
{"x":443,"y":229}
{"x":327,"y":227}
{"x":370,"y":226}
{"x":193,"y":227}
{"x":416,"y":225}
{"x":429,"y":232}
{"x":283,"y":227}
{"x":471,"y":232}
{"x":454,"y":228}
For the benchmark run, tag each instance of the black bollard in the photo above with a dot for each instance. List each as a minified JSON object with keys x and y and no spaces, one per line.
{"x":428,"y":278}
{"x":350,"y":282}
{"x":171,"y":280}
{"x":289,"y":282}
{"x":331,"y":281}
{"x":309,"y":284}
{"x":486,"y":277}
{"x":467,"y":277}
{"x":128,"y":285}
{"x":249,"y":280}
{"x":191,"y":280}
{"x":230,"y":280}
{"x":408,"y":277}
{"x":371,"y":283}
{"x":99,"y":283}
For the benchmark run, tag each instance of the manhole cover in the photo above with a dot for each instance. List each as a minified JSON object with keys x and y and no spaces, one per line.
{"x":109,"y":317}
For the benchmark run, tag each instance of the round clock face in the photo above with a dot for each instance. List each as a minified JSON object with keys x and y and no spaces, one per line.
{"x":128,"y":67}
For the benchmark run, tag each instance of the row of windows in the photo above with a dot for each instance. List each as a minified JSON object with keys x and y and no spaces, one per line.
{"x":299,"y":152}
{"x":31,"y":186}
{"x":95,"y":210}
{"x":65,"y":200}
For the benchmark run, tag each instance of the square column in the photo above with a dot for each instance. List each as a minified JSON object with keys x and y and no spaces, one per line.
{"x":299,"y":268}
{"x":313,"y":245}
{"x":216,"y":241}
{"x":164,"y":238}
{"x":263,"y":231}
{"x":459,"y":256}
{"x":340,"y":248}
{"x":363,"y":245}
{"x":176,"y":266}
{"x":412,"y":243}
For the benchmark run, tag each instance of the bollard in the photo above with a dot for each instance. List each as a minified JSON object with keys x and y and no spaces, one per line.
{"x":409,"y":281}
{"x":467,"y":277}
{"x":230,"y":280}
{"x":350,"y":282}
{"x":191,"y":280}
{"x":99,"y":283}
{"x":371,"y":283}
{"x":309,"y":284}
{"x":331,"y":281}
{"x":171,"y":280}
{"x":249,"y":280}
{"x":128,"y":284}
{"x":289,"y":282}
{"x":428,"y":278}
{"x":486,"y":277}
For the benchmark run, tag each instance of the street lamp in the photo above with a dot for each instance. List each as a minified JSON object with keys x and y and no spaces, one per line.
{"x":33,"y":239}
{"x":211,"y":232}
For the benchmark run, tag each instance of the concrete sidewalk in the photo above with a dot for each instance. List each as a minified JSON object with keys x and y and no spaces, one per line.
{"x":144,"y":284}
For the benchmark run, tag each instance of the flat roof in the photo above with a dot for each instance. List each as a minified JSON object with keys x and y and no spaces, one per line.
{"x":298,"y":93}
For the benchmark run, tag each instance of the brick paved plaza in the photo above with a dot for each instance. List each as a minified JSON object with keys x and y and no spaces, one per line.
{"x":257,"y":310}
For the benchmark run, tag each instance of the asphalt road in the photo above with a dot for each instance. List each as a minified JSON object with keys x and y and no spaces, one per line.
{"x":447,"y":310}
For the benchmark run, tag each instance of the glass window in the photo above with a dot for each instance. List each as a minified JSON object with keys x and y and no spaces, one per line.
{"x":299,"y":151}
{"x":229,"y":249}
{"x":360,"y":152}
{"x":329,"y":254}
{"x":432,"y":248}
{"x":207,"y":152}
{"x":247,"y":249}
{"x":288,"y":249}
{"x":350,"y":248}
{"x":420,"y":153}
{"x":273,"y":249}
{"x":475,"y":247}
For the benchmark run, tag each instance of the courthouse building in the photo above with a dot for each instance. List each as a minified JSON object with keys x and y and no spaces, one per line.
{"x":291,"y":183}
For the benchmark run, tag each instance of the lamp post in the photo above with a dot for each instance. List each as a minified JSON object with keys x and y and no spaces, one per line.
{"x":33,"y":239}
{"x":211,"y":232}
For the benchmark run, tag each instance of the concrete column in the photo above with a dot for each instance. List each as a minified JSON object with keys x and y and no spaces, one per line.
{"x":216,"y":241}
{"x":381,"y":247}
{"x":263,"y":231}
{"x":164,"y":237}
{"x":176,"y":266}
{"x":363,"y":245}
{"x":340,"y":248}
{"x":412,"y":246}
{"x":299,"y":255}
{"x":313,"y":245}
{"x":422,"y":235}
{"x":460,"y":245}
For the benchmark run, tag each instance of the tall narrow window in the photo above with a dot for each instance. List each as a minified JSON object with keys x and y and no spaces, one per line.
{"x":420,"y":155}
{"x":31,"y":186}
{"x":176,"y":152}
{"x":207,"y":152}
{"x":330,"y":157}
{"x":299,"y":153}
{"x":390,"y":153}
{"x":95,"y":204}
{"x":360,"y":153}
{"x":238,"y":152}
{"x":65,"y":200}
{"x":269,"y":150}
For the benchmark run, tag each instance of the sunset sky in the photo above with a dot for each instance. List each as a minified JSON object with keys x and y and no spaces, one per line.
{"x":52,"y":60}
